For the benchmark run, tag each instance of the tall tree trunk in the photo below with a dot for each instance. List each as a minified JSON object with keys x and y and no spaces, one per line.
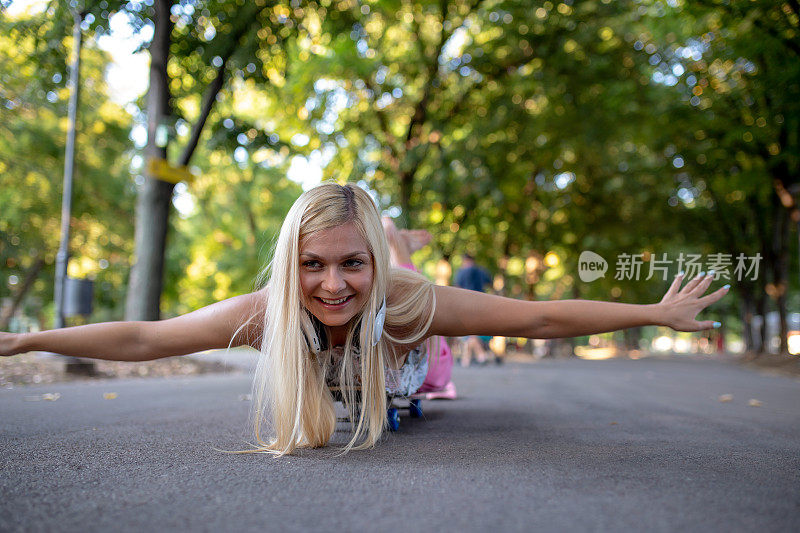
{"x":780,"y":272}
{"x":761,"y":308}
{"x":746,"y":310}
{"x":765,"y":236}
{"x":153,"y":203}
{"x":27,"y":283}
{"x":632,"y":338}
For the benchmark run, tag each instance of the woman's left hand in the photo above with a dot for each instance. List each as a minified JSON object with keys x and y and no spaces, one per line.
{"x":679,"y":307}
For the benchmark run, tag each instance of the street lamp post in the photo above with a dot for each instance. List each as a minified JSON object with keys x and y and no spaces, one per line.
{"x":62,"y":257}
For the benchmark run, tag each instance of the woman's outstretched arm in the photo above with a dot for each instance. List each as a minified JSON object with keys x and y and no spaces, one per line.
{"x":461,"y":312}
{"x":213,"y":326}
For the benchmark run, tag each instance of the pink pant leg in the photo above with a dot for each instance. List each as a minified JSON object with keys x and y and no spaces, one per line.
{"x":439,"y":368}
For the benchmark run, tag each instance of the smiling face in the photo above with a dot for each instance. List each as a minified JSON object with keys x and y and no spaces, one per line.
{"x":336,"y":273}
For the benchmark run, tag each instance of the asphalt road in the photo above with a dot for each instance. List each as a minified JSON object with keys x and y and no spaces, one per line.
{"x":555,"y":446}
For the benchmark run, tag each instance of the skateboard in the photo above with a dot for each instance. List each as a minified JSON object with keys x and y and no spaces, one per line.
{"x":394,"y":404}
{"x":393,"y":410}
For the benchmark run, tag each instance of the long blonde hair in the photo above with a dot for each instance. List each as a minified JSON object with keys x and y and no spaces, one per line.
{"x":289,"y":388}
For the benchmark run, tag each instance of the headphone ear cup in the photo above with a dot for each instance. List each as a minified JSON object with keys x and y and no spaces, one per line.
{"x":314,"y":343}
{"x":380,"y":318}
{"x":317,"y":338}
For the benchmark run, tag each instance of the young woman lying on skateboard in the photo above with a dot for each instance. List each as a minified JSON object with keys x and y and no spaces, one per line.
{"x":335,"y":313}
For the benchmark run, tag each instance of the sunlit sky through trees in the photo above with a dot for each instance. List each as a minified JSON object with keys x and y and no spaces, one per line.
{"x":128,"y":74}
{"x":127,"y":80}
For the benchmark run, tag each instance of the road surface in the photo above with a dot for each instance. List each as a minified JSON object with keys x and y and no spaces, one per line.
{"x":564,"y":445}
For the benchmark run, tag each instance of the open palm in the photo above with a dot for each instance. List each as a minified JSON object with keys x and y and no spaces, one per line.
{"x":680,"y":306}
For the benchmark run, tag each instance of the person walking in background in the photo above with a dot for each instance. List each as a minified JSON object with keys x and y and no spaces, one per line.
{"x":472,"y":277}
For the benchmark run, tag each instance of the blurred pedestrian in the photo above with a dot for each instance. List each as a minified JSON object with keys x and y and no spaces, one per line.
{"x":474,"y":278}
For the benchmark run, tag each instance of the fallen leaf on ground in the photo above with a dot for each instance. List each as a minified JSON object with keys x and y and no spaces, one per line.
{"x":725,"y":397}
{"x":51,"y":396}
{"x":752,"y":402}
{"x":109,"y":395}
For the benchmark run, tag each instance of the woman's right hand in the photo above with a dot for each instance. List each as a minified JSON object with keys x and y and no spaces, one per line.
{"x":679,"y":306}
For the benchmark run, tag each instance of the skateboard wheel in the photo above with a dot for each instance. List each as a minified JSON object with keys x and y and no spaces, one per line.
{"x":415,"y":408}
{"x":393,"y":416}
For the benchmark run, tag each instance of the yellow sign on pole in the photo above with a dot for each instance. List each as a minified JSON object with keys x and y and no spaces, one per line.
{"x":161,"y":169}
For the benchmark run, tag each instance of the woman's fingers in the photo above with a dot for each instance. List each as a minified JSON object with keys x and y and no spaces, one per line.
{"x":697,"y":325}
{"x":707,"y":300}
{"x":703,"y":285}
{"x":675,"y":287}
{"x":699,"y":283}
{"x":694,"y":282}
{"x":706,"y":324}
{"x":714,"y":296}
{"x":703,"y":325}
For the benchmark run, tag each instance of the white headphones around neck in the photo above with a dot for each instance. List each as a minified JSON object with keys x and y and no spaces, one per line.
{"x":312,"y":337}
{"x":380,"y":318}
{"x":315,"y":344}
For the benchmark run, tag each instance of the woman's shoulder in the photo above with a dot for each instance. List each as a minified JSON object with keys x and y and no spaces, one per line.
{"x":404,"y":284}
{"x":410,"y":304}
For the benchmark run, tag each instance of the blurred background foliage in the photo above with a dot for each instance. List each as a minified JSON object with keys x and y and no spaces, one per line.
{"x":521,"y":132}
{"x":32,"y":136}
